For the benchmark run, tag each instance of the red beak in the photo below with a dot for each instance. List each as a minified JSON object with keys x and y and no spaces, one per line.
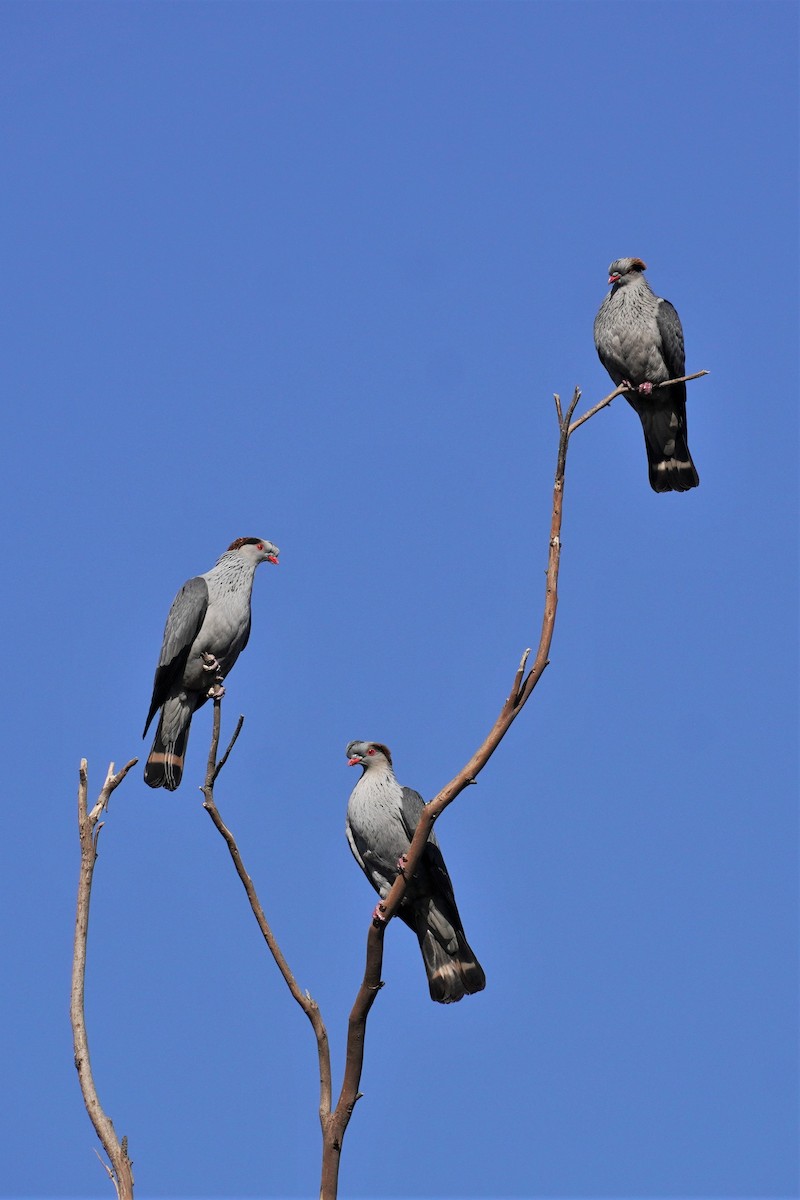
{"x":271,"y":558}
{"x":613,"y":278}
{"x":353,"y":762}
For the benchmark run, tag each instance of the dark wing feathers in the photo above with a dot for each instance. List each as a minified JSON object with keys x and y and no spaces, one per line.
{"x":432,"y":873}
{"x":413,"y":804}
{"x":671,"y":334}
{"x":183,"y":625}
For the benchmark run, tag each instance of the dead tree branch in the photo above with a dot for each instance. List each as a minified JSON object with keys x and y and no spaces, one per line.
{"x":89,"y":826}
{"x":334,"y":1122}
{"x":308,"y":1005}
{"x":335,"y":1125}
{"x":620,"y":391}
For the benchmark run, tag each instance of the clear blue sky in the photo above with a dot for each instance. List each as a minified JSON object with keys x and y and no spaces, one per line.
{"x":312,"y":272}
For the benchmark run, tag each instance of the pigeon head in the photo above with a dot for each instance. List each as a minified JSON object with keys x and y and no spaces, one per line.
{"x":367,"y":754}
{"x":255,"y":550}
{"x":625,"y":270}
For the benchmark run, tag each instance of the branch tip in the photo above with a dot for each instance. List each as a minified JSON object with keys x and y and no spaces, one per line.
{"x":576,"y":395}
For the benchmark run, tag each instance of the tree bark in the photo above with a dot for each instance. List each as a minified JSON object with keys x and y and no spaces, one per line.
{"x":89,"y":825}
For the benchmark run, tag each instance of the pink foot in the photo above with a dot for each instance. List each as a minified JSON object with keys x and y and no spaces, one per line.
{"x":646,"y":388}
{"x":402,"y":863}
{"x":216,"y":691}
{"x":378,"y":917}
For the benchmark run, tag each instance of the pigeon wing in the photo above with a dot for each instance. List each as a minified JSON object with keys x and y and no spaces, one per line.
{"x":183,"y":625}
{"x":671,"y":333}
{"x":432,"y":874}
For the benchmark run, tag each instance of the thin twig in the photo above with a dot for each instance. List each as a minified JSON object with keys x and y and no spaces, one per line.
{"x":231,"y":744}
{"x":620,"y":391}
{"x":89,"y":826}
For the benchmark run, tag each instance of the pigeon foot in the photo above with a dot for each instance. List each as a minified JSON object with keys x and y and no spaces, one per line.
{"x":402,"y":863}
{"x":216,"y":691}
{"x":646,"y":387}
{"x":379,"y":917}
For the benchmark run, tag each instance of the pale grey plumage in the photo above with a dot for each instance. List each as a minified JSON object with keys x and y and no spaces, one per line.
{"x":381,"y":819}
{"x":639,"y":339}
{"x":207,"y":628}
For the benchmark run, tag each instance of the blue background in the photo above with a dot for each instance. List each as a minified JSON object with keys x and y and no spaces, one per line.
{"x":312,"y":272}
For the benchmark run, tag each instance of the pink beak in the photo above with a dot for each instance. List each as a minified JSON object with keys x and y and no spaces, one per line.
{"x":353,"y":762}
{"x":271,"y":558}
{"x":613,"y":278}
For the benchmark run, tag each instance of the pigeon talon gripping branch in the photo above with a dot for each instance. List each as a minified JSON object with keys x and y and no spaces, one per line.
{"x":207,"y":629}
{"x":639,"y":339}
{"x":381,"y":819}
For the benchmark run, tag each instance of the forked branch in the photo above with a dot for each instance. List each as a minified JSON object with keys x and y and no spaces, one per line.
{"x":334,"y":1122}
{"x":89,"y":825}
{"x":521,"y":690}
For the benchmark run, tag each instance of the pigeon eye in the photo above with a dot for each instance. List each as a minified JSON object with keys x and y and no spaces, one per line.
{"x":370,"y":751}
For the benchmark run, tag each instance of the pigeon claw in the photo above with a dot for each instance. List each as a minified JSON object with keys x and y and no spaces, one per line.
{"x":379,"y":915}
{"x":646,"y":387}
{"x":216,"y":691}
{"x":402,"y":863}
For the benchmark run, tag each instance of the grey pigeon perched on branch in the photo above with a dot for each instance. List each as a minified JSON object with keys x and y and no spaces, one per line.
{"x":381,"y":819}
{"x":207,"y":629}
{"x":639,"y":338}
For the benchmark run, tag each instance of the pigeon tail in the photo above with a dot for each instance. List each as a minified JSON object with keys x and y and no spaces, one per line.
{"x":452,"y":974}
{"x":676,"y":474}
{"x":164,"y":766}
{"x":669,"y":462}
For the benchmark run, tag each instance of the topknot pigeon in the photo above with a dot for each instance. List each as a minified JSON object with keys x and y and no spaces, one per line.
{"x":381,"y":819}
{"x":206,"y":631}
{"x":639,"y":338}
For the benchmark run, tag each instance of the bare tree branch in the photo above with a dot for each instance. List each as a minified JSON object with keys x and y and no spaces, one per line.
{"x":89,"y":826}
{"x":308,"y":1005}
{"x":334,"y":1123}
{"x":521,"y":689}
{"x":621,"y":390}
